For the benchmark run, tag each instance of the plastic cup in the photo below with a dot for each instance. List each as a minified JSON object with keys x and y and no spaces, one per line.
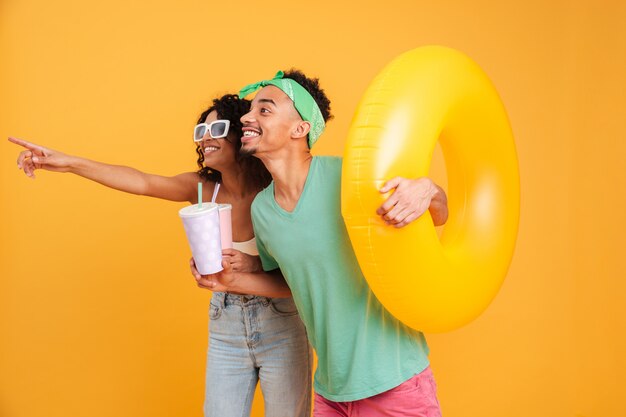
{"x":202,"y":225}
{"x":226,"y":225}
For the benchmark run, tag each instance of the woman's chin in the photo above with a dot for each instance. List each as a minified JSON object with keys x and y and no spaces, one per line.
{"x":211,"y":157}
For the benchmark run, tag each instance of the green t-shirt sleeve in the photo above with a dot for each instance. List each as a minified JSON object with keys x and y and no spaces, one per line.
{"x":268,"y":262}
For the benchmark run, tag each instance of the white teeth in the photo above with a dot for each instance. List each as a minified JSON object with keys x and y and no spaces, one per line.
{"x":250,"y":133}
{"x":210,"y":149}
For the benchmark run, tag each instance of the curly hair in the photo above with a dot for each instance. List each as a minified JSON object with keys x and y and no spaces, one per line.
{"x":231,"y":107}
{"x":313,"y":87}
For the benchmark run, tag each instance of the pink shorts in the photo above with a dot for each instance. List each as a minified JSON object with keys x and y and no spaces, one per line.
{"x":416,"y":397}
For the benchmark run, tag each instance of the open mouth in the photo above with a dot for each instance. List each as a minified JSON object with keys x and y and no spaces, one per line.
{"x":250,"y":133}
{"x":210,"y":149}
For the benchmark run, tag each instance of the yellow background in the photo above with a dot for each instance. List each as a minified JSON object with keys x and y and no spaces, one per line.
{"x":98,"y":313}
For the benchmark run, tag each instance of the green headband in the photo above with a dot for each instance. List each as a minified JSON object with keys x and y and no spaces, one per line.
{"x":302,"y":101}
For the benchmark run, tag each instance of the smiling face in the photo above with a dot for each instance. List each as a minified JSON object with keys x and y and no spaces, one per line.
{"x":218,"y":153}
{"x":272,"y":123}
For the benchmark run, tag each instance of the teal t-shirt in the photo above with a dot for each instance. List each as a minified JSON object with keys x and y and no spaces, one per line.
{"x":362,"y":350}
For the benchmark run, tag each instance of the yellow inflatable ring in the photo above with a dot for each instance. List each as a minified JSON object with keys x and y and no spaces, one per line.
{"x":427,"y":95}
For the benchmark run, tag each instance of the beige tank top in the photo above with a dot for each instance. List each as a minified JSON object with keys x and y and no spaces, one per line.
{"x":248,"y":247}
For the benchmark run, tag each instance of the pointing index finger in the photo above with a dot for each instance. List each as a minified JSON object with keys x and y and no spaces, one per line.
{"x":27,"y":145}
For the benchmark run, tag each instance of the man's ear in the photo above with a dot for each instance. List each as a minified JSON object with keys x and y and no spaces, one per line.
{"x":301,"y":130}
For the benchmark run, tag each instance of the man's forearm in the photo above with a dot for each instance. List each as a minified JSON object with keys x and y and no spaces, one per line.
{"x":266,"y":284}
{"x":439,"y":206}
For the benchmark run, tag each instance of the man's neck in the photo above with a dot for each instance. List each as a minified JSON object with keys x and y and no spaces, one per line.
{"x":289,"y":172}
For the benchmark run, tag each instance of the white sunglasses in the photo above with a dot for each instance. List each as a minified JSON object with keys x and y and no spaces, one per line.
{"x":217,"y":129}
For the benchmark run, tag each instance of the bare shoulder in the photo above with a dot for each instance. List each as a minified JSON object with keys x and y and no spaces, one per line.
{"x":191,"y":180}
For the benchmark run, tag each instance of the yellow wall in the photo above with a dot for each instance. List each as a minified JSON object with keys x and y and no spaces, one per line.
{"x":98,"y":313}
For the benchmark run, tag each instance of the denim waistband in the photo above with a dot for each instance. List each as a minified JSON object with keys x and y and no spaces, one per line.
{"x":225,"y":298}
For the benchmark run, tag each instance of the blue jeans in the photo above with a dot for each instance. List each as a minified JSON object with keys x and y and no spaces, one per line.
{"x":257,"y":339}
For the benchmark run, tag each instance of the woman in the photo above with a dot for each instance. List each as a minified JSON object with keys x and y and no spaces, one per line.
{"x":251,"y":338}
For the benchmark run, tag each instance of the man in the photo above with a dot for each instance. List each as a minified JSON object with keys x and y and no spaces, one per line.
{"x":369,"y":364}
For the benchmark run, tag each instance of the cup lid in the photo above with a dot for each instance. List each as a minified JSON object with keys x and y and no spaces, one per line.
{"x":193,"y":210}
